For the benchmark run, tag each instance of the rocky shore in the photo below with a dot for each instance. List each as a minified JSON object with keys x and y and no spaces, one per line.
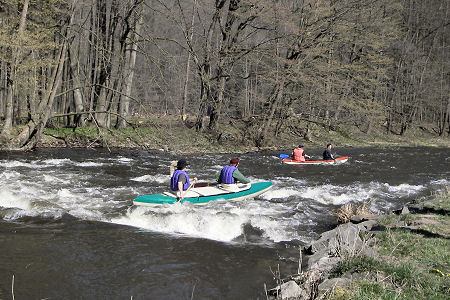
{"x":403,"y":255}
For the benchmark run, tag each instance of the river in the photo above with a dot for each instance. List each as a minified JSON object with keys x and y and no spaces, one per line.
{"x":68,"y":230}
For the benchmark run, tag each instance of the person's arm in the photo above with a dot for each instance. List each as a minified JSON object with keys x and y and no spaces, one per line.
{"x":180,"y":189}
{"x":237,"y":175}
{"x":181,"y":182}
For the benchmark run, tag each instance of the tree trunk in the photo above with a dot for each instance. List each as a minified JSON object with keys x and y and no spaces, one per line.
{"x":10,"y":88}
{"x":188,"y":62}
{"x":277,"y":97}
{"x":77,"y":95}
{"x":130,"y":56}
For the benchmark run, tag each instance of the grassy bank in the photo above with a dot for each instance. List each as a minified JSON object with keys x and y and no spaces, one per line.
{"x":413,"y":260}
{"x":170,"y":134}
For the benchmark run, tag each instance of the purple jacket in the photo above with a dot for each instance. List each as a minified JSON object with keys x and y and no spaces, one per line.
{"x":226,"y":175}
{"x":174,"y":180}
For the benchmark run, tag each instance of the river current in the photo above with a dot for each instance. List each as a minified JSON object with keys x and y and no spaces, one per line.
{"x":68,"y":229}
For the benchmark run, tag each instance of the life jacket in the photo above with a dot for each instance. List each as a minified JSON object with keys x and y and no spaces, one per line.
{"x":297,"y":154}
{"x":174,"y":180}
{"x":226,"y":175}
{"x":327,"y":155}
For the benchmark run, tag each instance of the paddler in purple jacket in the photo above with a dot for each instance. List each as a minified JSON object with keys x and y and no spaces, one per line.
{"x":180,"y":181}
{"x":230,"y":175}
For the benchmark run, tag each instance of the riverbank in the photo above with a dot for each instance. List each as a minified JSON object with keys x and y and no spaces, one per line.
{"x":403,"y":255}
{"x":169,"y":133}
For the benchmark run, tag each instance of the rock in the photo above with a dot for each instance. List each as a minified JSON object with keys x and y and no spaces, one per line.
{"x":325,"y":264}
{"x":405,"y":210}
{"x":291,"y":290}
{"x":367,"y":225}
{"x":361,"y":218}
{"x":329,"y":284}
{"x":321,"y":243}
{"x":313,"y":277}
{"x":347,"y":240}
{"x":425,"y":220}
{"x":316,"y":257}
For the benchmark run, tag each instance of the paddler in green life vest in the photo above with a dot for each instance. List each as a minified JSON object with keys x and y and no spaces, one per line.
{"x":230,"y":175}
{"x":180,"y":181}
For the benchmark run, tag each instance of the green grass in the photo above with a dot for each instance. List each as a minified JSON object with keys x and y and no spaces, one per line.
{"x":440,"y":200}
{"x":410,"y":266}
{"x":390,"y":280}
{"x":428,"y":252}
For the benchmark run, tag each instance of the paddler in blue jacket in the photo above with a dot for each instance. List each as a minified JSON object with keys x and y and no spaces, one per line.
{"x":230,"y":175}
{"x":180,"y":181}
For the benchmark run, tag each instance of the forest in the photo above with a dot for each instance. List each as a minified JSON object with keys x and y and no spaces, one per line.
{"x":270,"y":65}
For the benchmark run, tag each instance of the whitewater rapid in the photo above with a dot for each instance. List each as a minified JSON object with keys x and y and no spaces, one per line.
{"x":52,"y":188}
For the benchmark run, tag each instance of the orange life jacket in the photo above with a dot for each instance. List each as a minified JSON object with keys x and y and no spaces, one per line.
{"x":297,"y":154}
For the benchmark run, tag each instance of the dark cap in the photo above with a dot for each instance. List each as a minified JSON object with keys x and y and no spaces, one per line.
{"x":234,"y":161}
{"x":182,"y":163}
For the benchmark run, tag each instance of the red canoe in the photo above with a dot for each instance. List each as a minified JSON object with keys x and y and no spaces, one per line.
{"x":338,"y":160}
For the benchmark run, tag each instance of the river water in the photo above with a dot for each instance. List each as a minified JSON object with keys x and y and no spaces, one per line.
{"x":68,"y":230}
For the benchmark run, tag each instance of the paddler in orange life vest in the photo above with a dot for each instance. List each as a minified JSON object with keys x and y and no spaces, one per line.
{"x":180,"y":181}
{"x":230,"y":175}
{"x":298,"y":154}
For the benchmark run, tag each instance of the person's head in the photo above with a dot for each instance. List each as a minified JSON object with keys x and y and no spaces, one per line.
{"x":328,"y":146}
{"x":181,"y":164}
{"x":300,"y":146}
{"x":234,"y":161}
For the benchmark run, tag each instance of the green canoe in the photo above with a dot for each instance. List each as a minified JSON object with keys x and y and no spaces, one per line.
{"x":203,"y":195}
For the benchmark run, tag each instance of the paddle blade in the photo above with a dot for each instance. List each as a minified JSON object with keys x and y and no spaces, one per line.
{"x":284,"y":155}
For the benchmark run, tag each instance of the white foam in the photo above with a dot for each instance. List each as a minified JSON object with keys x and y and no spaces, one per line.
{"x":403,"y":189}
{"x":16,"y":164}
{"x":53,"y":179}
{"x":11,"y":200}
{"x":329,"y":194}
{"x":338,"y":195}
{"x":124,"y":159}
{"x":152,"y":178}
{"x":443,"y":182}
{"x":280,"y":193}
{"x":56,"y":162}
{"x":7,"y":175}
{"x":288,"y":180}
{"x":88,"y":164}
{"x":186,"y":220}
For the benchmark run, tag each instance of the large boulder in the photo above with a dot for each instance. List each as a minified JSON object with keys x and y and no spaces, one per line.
{"x":330,"y":284}
{"x":345,"y":239}
{"x":320,"y":244}
{"x":291,"y":290}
